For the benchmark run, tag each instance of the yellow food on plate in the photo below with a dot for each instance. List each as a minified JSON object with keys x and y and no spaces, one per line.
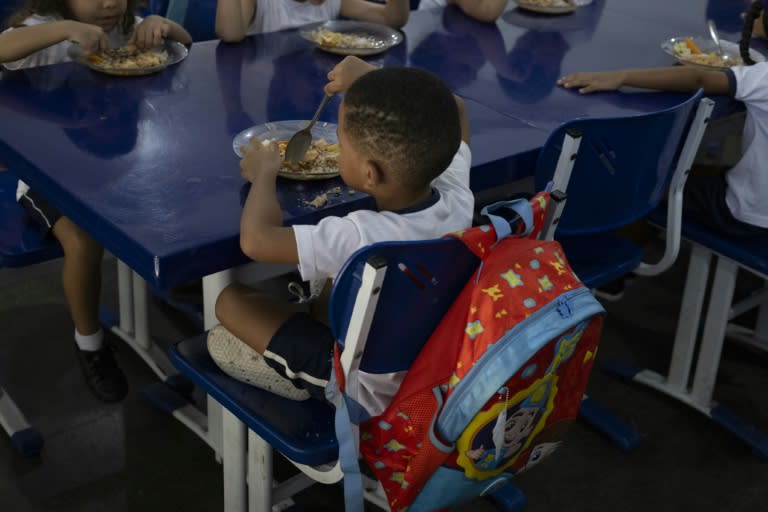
{"x":329,"y":38}
{"x":128,"y":57}
{"x":321,"y":158}
{"x":688,"y":51}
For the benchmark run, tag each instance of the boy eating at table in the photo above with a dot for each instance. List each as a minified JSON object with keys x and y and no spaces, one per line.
{"x":403,"y":139}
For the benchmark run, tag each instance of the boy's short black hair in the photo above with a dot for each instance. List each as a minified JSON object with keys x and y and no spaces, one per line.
{"x":406,"y":120}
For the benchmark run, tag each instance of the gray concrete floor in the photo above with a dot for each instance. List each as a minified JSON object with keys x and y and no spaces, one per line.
{"x":132,"y":457}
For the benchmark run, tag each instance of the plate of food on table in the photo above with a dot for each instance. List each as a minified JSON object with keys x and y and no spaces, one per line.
{"x":130,"y":60}
{"x":321,"y":159}
{"x":347,"y":37}
{"x":701,"y":52}
{"x":547,"y":6}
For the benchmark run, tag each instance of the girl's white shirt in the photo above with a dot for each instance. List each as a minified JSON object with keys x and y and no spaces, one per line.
{"x":274,"y":15}
{"x":55,"y":54}
{"x":748,"y":179}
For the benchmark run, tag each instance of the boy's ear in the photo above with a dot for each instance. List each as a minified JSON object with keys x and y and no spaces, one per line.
{"x":374,"y":174}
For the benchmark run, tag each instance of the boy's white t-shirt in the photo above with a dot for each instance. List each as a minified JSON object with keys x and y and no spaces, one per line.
{"x":274,"y":15}
{"x":55,"y":54}
{"x":323,"y":248}
{"x":748,"y":179}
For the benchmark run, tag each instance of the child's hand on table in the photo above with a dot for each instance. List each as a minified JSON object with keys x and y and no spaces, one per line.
{"x":591,"y":82}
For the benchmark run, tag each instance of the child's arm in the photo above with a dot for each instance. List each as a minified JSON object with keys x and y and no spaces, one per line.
{"x":393,"y":13}
{"x":482,"y":10}
{"x":678,"y":78}
{"x":233,"y":18}
{"x":23,"y":41}
{"x":345,"y":72}
{"x":262,"y":234}
{"x":153,"y":29}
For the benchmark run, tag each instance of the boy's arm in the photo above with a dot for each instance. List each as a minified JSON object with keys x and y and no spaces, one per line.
{"x":393,"y":13}
{"x":262,"y":234}
{"x":23,"y":41}
{"x":233,"y":18}
{"x":463,"y":121}
{"x":678,"y":78}
{"x":345,"y":72}
{"x":482,"y":10}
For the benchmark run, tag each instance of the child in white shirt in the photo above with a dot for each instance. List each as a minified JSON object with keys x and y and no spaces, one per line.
{"x":732,"y":205}
{"x":237,"y":18}
{"x":386,"y":120}
{"x":41,"y":34}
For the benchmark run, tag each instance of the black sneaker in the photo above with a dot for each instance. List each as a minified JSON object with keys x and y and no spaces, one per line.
{"x":106,"y":380}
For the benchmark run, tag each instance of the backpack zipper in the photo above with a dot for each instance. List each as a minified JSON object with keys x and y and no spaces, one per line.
{"x":496,"y":366}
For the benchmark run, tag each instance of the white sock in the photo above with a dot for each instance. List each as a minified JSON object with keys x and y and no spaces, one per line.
{"x":91,"y":342}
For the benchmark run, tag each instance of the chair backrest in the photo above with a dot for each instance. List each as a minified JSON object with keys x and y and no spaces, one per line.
{"x":623,"y":169}
{"x":422,"y":281}
{"x":197,"y":16}
{"x":8,"y":7}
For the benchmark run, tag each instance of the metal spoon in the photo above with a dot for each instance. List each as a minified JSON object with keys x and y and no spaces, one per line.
{"x":715,"y":36}
{"x":301,"y":140}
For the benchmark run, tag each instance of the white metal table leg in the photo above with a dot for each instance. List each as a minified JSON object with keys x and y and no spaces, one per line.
{"x":714,"y":331}
{"x":688,"y":321}
{"x":260,"y":460}
{"x":125,"y":296}
{"x":234,"y":461}
{"x":134,"y":330}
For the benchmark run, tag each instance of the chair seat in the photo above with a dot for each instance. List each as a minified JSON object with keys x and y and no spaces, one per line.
{"x":749,"y":253}
{"x":20,"y":241}
{"x":302,"y":431}
{"x":601,"y":258}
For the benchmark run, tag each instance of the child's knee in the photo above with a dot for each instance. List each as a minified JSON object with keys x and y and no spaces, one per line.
{"x":75,"y":242}
{"x":226,"y":301}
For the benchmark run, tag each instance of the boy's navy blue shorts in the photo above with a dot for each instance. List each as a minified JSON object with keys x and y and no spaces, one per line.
{"x":44,"y":213}
{"x":704,"y":203}
{"x":302,"y":350}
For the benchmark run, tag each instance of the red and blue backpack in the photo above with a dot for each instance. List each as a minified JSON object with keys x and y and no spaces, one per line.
{"x":496,"y":386}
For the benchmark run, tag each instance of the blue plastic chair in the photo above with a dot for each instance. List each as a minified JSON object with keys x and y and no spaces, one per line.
{"x":730,"y":256}
{"x":623,"y":169}
{"x":304,"y":432}
{"x":20,"y":245}
{"x":197,"y":16}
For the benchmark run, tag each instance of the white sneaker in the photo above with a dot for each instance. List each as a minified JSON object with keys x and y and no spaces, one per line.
{"x":241,"y":362}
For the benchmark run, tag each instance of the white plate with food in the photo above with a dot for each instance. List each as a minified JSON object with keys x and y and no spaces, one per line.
{"x":346,"y":37}
{"x":701,"y":52}
{"x":547,"y":6}
{"x":130,"y":60}
{"x":321,"y":159}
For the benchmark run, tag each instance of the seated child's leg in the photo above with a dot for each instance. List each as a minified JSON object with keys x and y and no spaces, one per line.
{"x":294,"y":345}
{"x":81,"y":275}
{"x":81,"y":279}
